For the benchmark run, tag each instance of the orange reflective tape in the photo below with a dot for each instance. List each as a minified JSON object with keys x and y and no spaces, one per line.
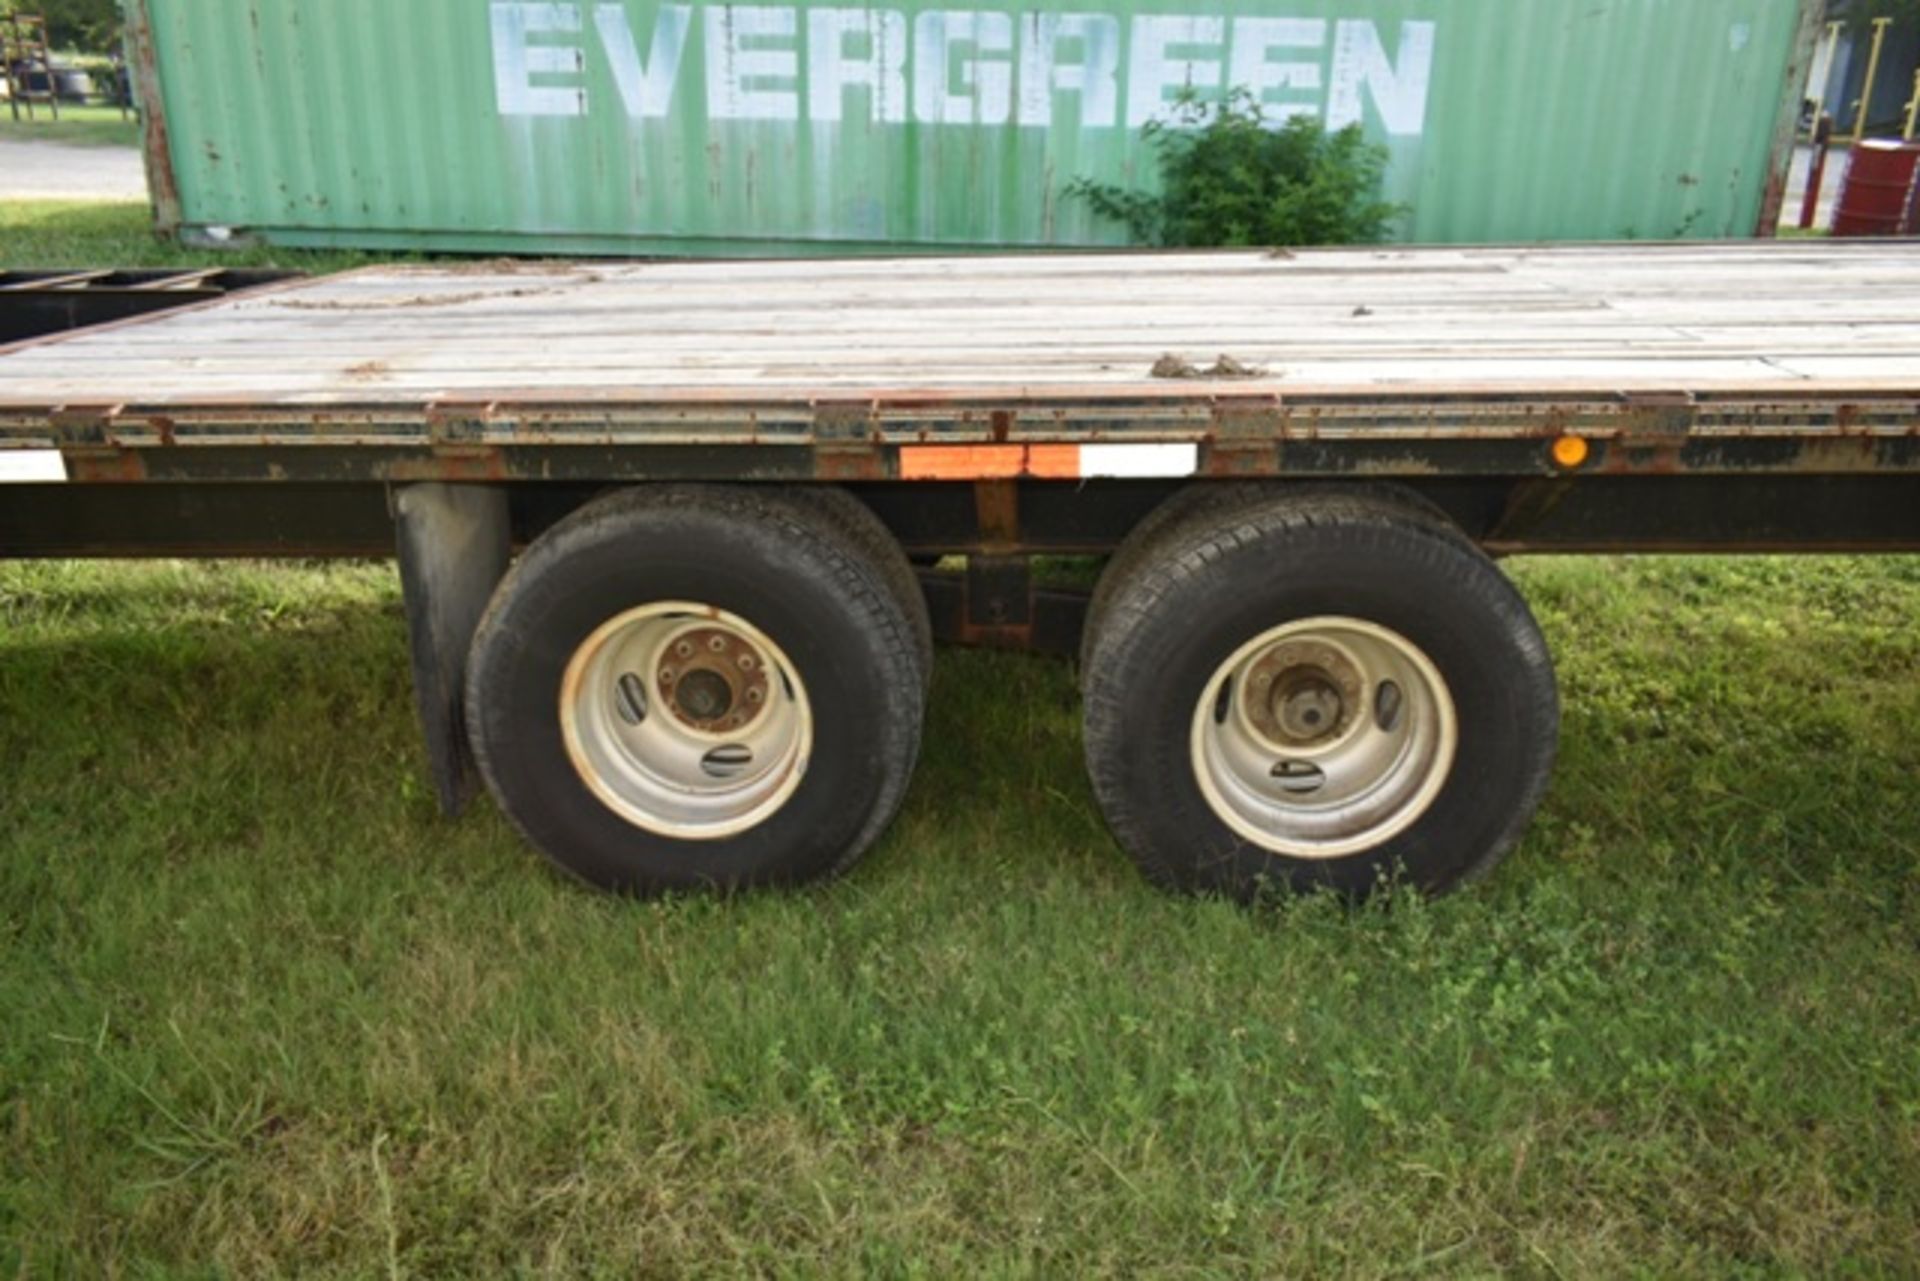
{"x":1054,"y":462}
{"x":961,"y":462}
{"x":989,"y":462}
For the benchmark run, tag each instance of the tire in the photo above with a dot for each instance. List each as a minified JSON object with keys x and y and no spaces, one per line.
{"x":877,"y":543}
{"x":1198,"y":504}
{"x":569,"y":665}
{"x":1330,"y":598}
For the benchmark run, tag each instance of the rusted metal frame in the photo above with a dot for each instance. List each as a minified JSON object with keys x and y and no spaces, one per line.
{"x":1816,"y":456}
{"x":1786,"y":121}
{"x":996,"y":600}
{"x":999,"y":606}
{"x":269,"y":464}
{"x":994,"y":606}
{"x":1247,"y":438}
{"x":1455,"y":416}
{"x":1528,"y":503}
{"x":293,"y":280}
{"x":1858,"y":511}
{"x":229,"y":281}
{"x":870,"y":424}
{"x":36,"y":307}
{"x":347,"y":424}
{"x":63,"y":280}
{"x":1653,"y":433}
{"x":183,"y":280}
{"x":996,"y":506}
{"x":942,"y":518}
{"x":95,"y":456}
{"x":846,"y":440}
{"x":143,"y":56}
{"x":860,"y":440}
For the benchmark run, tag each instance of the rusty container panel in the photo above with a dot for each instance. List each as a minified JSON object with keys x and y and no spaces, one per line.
{"x":618,"y":126}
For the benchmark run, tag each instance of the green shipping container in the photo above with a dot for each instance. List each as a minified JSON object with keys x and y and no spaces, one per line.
{"x":630,"y":126}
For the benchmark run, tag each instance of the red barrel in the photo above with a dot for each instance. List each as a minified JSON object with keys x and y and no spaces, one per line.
{"x":1873,"y":200}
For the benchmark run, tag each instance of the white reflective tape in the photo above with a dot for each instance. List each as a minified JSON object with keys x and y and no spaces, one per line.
{"x":23,"y":466}
{"x":1138,"y":462}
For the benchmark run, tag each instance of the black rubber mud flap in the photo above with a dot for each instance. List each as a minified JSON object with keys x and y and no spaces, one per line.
{"x":454,"y":545}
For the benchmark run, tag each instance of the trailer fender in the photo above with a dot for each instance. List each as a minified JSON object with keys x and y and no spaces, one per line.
{"x":454,"y":545}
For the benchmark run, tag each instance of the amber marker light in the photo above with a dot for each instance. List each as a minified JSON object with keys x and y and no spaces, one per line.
{"x":1570,"y":451}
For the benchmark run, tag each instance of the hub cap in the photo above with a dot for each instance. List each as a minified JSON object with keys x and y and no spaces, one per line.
{"x":1324,"y":737}
{"x":686,"y":720}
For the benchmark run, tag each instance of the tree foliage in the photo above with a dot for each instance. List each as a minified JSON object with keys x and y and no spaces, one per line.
{"x":92,"y":26}
{"x":1229,"y":176}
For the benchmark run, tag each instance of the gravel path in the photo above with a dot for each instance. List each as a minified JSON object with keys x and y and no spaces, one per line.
{"x":55,"y":171}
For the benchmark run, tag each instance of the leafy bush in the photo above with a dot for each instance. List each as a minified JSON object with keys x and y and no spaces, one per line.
{"x":1230,"y":177}
{"x":92,"y":25}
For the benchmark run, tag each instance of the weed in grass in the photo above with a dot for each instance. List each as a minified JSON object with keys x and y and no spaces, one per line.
{"x":267,"y":1013}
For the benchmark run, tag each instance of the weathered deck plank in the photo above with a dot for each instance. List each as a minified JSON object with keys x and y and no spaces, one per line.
{"x":1401,"y":324}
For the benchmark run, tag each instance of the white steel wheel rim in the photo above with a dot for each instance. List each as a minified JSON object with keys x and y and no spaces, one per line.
{"x":1324,"y":737}
{"x":686,"y":720}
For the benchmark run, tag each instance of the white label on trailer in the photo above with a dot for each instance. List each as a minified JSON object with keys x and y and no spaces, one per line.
{"x":1138,"y":462}
{"x":30,"y":466}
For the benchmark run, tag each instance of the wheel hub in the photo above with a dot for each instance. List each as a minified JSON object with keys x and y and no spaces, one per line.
{"x":704,"y":696}
{"x":714,"y":680}
{"x":1301,"y":694}
{"x":1323,"y":737}
{"x":1308,"y":707}
{"x":686,"y":720}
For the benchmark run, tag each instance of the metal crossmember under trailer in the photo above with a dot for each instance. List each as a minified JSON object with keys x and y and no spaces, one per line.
{"x":658,"y":523}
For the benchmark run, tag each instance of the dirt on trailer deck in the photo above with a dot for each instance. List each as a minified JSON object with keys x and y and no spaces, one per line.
{"x":405,"y":301}
{"x":1173,"y":365}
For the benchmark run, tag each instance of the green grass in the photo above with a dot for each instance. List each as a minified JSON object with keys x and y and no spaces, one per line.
{"x":81,"y":233}
{"x":265,"y":1013}
{"x":77,"y":126}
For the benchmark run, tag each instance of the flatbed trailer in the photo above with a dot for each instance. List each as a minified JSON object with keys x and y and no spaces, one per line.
{"x":655,"y":521}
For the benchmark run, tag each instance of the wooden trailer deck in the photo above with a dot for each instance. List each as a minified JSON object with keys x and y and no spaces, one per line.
{"x":1674,"y":353}
{"x":1601,"y":319}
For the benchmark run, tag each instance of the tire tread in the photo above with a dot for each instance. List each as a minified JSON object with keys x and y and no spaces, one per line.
{"x":853,"y":569}
{"x":1207,"y":536}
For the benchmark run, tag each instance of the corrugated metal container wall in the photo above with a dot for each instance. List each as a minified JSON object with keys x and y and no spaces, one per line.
{"x":631,"y":125}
